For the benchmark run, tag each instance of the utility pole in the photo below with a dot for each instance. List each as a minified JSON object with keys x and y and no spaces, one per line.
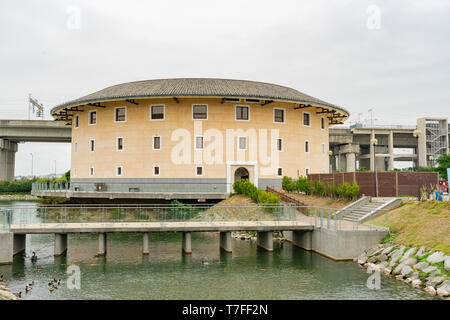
{"x":31,"y":164}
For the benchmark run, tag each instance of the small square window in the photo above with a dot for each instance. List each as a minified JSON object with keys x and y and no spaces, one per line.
{"x":199,"y":170}
{"x":200,"y":112}
{"x":306,"y":146}
{"x":280,"y":172}
{"x":242,"y":143}
{"x":93,"y":117}
{"x":119,"y":170}
{"x":306,"y":119}
{"x":156,"y":142}
{"x":119,"y":143}
{"x":92,"y":145}
{"x":120,"y":114}
{"x":199,"y":142}
{"x":279,"y":144}
{"x":278,"y":115}
{"x":156,"y":170}
{"x":242,"y":113}
{"x":157,"y":112}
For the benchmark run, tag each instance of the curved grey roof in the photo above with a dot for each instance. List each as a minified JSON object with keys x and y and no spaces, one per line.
{"x":198,"y":87}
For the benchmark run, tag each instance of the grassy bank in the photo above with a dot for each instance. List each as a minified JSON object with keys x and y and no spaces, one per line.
{"x":17,"y":196}
{"x":425,"y":223}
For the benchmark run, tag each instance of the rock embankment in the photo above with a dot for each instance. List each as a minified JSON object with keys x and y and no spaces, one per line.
{"x":6,"y":294}
{"x":418,"y":267}
{"x":243,"y":235}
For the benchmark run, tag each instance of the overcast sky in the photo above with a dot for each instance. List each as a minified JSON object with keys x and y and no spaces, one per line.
{"x":391,"y":56}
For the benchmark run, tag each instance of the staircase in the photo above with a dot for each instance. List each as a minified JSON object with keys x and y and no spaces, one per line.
{"x":366,"y":207}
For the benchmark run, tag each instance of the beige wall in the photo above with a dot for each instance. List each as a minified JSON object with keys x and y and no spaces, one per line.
{"x":138,"y":158}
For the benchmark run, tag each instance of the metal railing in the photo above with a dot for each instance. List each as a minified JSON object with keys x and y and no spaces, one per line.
{"x":315,"y":216}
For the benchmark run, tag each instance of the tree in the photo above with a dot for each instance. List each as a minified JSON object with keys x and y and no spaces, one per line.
{"x":444,"y":163}
{"x":67,"y":176}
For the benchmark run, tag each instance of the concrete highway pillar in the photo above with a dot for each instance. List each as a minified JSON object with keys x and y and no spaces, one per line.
{"x":19,"y":243}
{"x":6,"y":248}
{"x":391,"y":150}
{"x":302,"y":239}
{"x":186,"y":243}
{"x":265,"y":240}
{"x":225,"y":241}
{"x":145,"y":249}
{"x":8,"y":150}
{"x":351,"y":162}
{"x":60,"y":244}
{"x":101,"y":244}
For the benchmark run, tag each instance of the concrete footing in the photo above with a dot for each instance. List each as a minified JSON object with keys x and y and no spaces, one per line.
{"x":265,"y":240}
{"x":145,"y":249}
{"x":225,"y":241}
{"x":19,"y":243}
{"x":302,"y":239}
{"x":101,"y":244}
{"x":6,"y":247}
{"x":186,"y":243}
{"x":60,"y":244}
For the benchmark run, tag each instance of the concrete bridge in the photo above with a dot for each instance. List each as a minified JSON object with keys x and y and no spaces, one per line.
{"x":13,"y":132}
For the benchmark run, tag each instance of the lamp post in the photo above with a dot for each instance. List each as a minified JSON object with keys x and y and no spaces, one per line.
{"x":374,"y":142}
{"x":416,"y":134}
{"x":31,"y":164}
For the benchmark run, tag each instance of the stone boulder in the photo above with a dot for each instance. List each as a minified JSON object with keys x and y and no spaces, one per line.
{"x":395,"y":255}
{"x":447,"y":263}
{"x":420,"y":252}
{"x":410,"y":262}
{"x":416,"y":283}
{"x":372,"y":259}
{"x":435,"y":281}
{"x":406,"y":271}
{"x":362,"y":259}
{"x":398,"y":269}
{"x":408,"y":254}
{"x":421,"y":266}
{"x":436,"y":257}
{"x":383,"y":257}
{"x":8,"y":295}
{"x":430,"y":290}
{"x":387,"y":271}
{"x":444,"y":289}
{"x":430,"y":269}
{"x":387,"y":250}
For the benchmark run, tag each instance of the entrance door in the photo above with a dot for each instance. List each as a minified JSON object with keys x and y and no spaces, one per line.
{"x":241,"y":173}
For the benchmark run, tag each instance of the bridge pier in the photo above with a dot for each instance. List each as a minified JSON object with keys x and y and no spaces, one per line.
{"x":60,"y":244}
{"x":6,"y":248}
{"x":302,"y":239}
{"x":8,"y":151}
{"x":265,"y":240}
{"x":145,"y":249}
{"x":186,"y":243}
{"x":19,"y":243}
{"x":101,"y":244}
{"x":225,"y":241}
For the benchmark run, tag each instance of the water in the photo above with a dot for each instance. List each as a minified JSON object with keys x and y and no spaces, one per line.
{"x":248,"y":273}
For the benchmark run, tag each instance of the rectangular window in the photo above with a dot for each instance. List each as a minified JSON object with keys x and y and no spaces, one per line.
{"x":156,"y":170}
{"x":157,"y":112}
{"x":323,"y":148}
{"x":93,"y":117}
{"x":200,"y":112}
{"x":279,"y":144}
{"x":307,"y":171}
{"x":119,"y":143}
{"x":278,"y":115}
{"x":91,"y":171}
{"x":77,"y":117}
{"x":199,"y":170}
{"x":156,"y":142}
{"x":242,"y":113}
{"x":119,"y":171}
{"x":199,"y":142}
{"x":322,"y":123}
{"x":242,"y":143}
{"x":92,"y":145}
{"x":74,"y":172}
{"x":75,"y":147}
{"x":306,"y":119}
{"x":120,"y":114}
{"x":253,"y":100}
{"x":280,"y":172}
{"x":307,"y":146}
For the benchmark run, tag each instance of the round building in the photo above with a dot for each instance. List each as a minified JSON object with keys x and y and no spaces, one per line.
{"x":191,"y":138}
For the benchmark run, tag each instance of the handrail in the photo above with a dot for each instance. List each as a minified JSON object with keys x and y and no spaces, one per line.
{"x":378,"y":209}
{"x":353,"y":204}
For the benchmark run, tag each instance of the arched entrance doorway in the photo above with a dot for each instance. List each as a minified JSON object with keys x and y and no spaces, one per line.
{"x":241,"y":173}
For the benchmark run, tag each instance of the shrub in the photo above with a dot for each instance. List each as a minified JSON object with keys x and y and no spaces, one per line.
{"x":247,"y":188}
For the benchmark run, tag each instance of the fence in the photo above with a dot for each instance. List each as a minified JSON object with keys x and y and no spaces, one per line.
{"x":390,"y":184}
